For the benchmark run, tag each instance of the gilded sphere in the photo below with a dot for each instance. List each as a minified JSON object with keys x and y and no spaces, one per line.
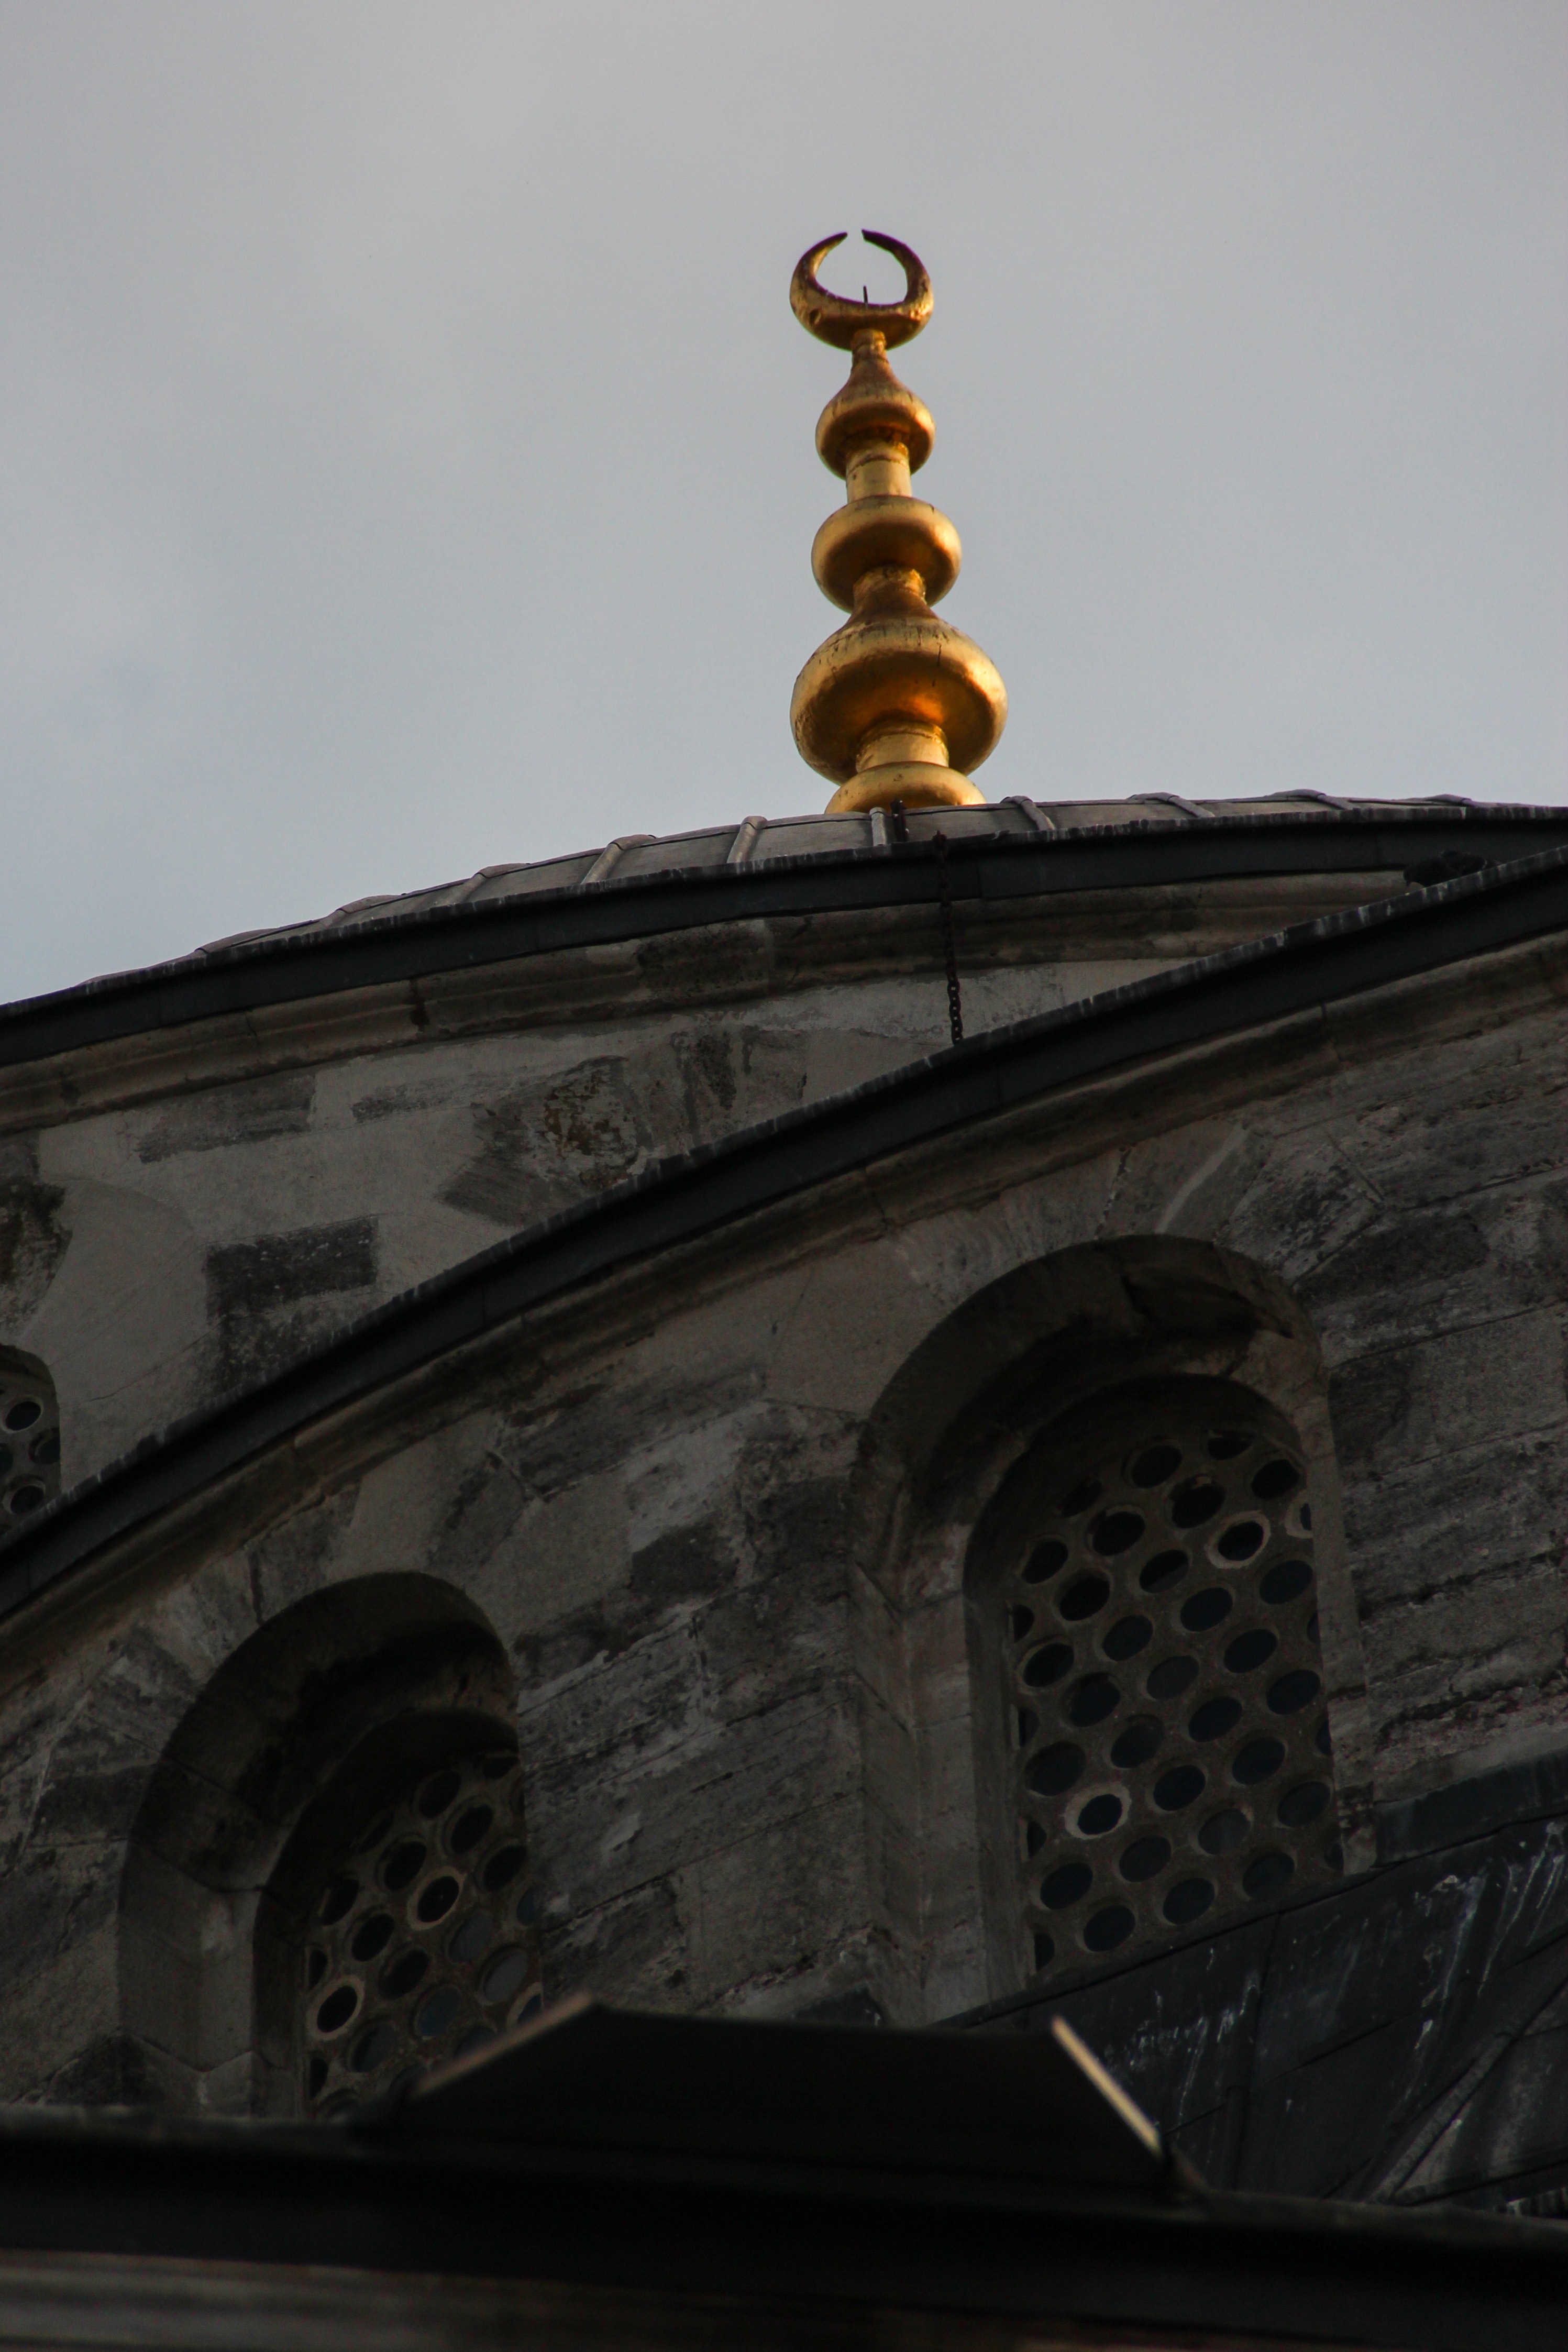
{"x":894,"y":665}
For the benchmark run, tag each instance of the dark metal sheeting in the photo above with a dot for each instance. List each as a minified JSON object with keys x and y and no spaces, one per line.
{"x":1401,"y":2037}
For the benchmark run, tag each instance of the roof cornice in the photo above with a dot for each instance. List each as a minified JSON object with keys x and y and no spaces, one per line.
{"x":419,"y":943}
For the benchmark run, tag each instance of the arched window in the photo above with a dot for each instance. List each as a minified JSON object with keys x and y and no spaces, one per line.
{"x":415,"y":1939}
{"x":1147,"y":1625}
{"x":29,"y":1437}
{"x":330,"y":1838}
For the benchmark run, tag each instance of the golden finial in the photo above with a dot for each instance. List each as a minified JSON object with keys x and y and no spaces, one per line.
{"x":896,"y":705}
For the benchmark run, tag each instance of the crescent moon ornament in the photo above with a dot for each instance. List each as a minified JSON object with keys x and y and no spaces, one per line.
{"x":838,"y":319}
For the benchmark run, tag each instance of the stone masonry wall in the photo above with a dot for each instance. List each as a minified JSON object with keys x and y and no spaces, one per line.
{"x":729,"y":1589}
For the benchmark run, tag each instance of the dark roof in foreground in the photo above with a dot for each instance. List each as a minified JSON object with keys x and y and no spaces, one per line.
{"x":787,"y":2162}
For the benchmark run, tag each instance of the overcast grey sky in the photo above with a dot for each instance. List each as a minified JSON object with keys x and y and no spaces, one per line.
{"x":405,"y":445}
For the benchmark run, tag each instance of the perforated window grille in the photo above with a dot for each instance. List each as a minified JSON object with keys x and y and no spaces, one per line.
{"x":422,"y":1943}
{"x":29,"y":1443}
{"x":1159,"y":1639}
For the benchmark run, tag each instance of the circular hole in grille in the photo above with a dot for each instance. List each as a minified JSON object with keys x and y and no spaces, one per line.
{"x":506,"y":1975}
{"x":1223,"y":1832}
{"x":1225,"y":1444}
{"x":1267,"y":1874}
{"x":45,"y":1449}
{"x":1284,"y":1580}
{"x":1249,"y":1651}
{"x":1171,"y":1678}
{"x":1293,"y":1691}
{"x":1137,"y":1742}
{"x":435,"y":2015}
{"x":23,"y":1413}
{"x":403,"y":1973}
{"x":1241,"y":1539}
{"x":1195,"y":1501}
{"x":1156,"y":1465}
{"x":371,"y":1936}
{"x":24,"y":1499}
{"x":1054,"y":1771}
{"x":373,"y":2048}
{"x":503,"y":1866}
{"x":1099,"y":1814}
{"x":1020,"y":1622}
{"x":337,"y":2009}
{"x":1115,"y":1532}
{"x":1166,"y":1567}
{"x":1275,"y":1478}
{"x":1104,"y":1930}
{"x":1127,"y":1637}
{"x":1322,"y":1739}
{"x":1214,"y":1717}
{"x":1187,"y":1901}
{"x":1083,"y":1596}
{"x":1201,"y":1611}
{"x":1045,"y":1949}
{"x":1046,"y":1666}
{"x":467,"y":1940}
{"x":1068,"y":1885}
{"x":436,"y":1899}
{"x":1303,"y":1804}
{"x":472,"y":1824}
{"x":1145,"y":1858}
{"x":1182,"y":1785}
{"x":403,"y":1866}
{"x":315,"y":1968}
{"x":1091,"y":1700}
{"x":1044,"y":1561}
{"x":1256,"y":1760}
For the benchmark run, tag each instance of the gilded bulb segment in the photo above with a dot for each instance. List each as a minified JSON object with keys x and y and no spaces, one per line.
{"x":874,"y":416}
{"x":871,"y":532}
{"x":897,"y":704}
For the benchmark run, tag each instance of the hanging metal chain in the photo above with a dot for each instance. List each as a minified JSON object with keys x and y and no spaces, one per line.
{"x":949,"y":941}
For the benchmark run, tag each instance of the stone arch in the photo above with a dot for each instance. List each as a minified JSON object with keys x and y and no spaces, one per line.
{"x":949,"y":1429}
{"x":304,"y":1722}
